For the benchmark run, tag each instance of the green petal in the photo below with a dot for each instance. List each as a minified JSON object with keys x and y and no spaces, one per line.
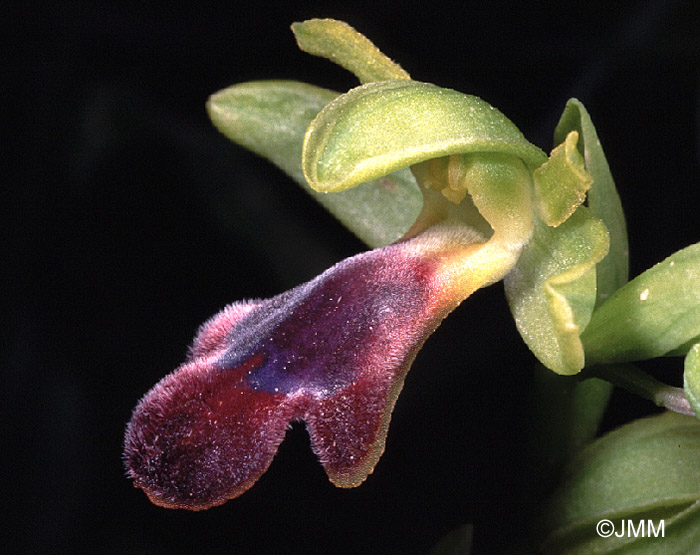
{"x":603,"y":200}
{"x":342,"y":44}
{"x":691,"y":378}
{"x":552,"y":289}
{"x":381,"y":127}
{"x":271,"y":117}
{"x":646,"y":470}
{"x":561,"y":182}
{"x":652,"y":315}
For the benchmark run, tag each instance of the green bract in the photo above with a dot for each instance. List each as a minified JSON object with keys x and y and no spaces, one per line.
{"x":380,"y":127}
{"x":655,"y":314}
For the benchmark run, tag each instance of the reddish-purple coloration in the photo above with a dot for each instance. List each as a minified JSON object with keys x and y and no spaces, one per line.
{"x":332,"y":352}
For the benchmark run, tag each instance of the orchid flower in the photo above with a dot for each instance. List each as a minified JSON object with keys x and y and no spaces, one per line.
{"x":478,"y":205}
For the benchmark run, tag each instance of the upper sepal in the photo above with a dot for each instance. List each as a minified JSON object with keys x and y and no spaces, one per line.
{"x":380,"y":127}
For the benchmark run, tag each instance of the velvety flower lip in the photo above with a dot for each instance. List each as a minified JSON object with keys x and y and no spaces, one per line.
{"x":332,"y":353}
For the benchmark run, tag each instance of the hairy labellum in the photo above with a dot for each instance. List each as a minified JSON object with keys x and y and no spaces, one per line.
{"x":332,"y":353}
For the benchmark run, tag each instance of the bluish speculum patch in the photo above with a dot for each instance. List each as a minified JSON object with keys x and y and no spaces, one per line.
{"x":308,"y":337}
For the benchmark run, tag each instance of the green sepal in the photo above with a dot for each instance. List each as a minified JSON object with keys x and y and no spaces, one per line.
{"x":603,"y":199}
{"x":342,"y":44}
{"x":561,"y":182}
{"x":691,"y":378}
{"x":645,"y":470}
{"x":552,"y":289}
{"x":271,"y":117}
{"x":378,"y":128}
{"x":653,"y":315}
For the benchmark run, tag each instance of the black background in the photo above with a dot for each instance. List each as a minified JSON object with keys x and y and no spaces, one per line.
{"x":130,"y":220}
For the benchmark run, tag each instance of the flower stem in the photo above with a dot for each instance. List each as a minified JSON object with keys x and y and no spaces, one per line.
{"x":640,"y":383}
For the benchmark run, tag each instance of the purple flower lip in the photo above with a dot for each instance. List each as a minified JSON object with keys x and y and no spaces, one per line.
{"x":332,"y":353}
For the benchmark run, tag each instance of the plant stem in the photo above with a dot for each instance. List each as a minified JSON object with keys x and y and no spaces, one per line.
{"x":640,"y":383}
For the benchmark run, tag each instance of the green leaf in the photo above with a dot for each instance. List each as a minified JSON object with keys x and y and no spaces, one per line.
{"x":691,"y":378}
{"x":652,"y":315}
{"x":381,"y":127}
{"x":271,"y":117}
{"x":552,"y":289}
{"x":342,"y":44}
{"x":603,"y":200}
{"x":561,"y":182}
{"x":646,"y":470}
